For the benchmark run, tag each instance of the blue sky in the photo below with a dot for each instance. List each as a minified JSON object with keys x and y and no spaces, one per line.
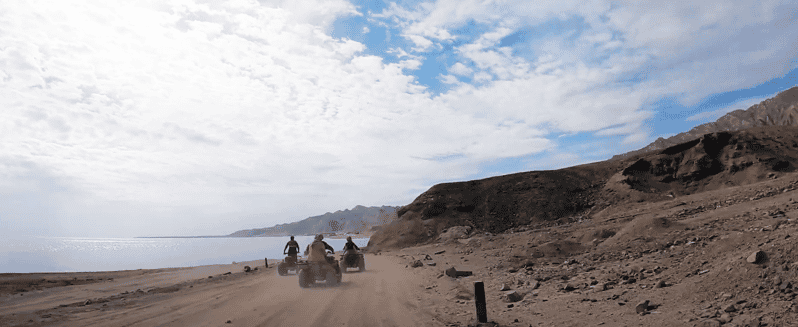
{"x":188,"y":117}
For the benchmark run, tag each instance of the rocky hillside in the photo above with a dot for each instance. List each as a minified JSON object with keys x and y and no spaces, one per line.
{"x":357,"y":220}
{"x":781,"y":110}
{"x":545,"y":198}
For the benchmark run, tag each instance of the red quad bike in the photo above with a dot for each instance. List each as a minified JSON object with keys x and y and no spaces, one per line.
{"x":289,"y":263}
{"x":353,"y":259}
{"x":311,"y":272}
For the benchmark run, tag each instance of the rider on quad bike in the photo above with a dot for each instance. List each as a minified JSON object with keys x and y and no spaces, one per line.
{"x":292,"y":247}
{"x":350,"y":245}
{"x":352,"y":257}
{"x":319,"y":265}
{"x":317,"y":250}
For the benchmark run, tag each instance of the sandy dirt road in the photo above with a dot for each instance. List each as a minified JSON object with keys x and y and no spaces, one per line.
{"x":384,"y":295}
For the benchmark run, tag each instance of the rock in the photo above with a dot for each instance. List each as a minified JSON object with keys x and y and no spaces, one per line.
{"x":455,"y":233}
{"x":416,"y":264}
{"x":744,"y":321}
{"x":431,"y":263}
{"x":642,"y":307}
{"x":730,"y":308}
{"x":661,"y":284}
{"x":513,"y":296}
{"x":87,"y":302}
{"x":227,"y":273}
{"x":229,"y":322}
{"x":510,"y":305}
{"x":534,"y":284}
{"x":452,"y":272}
{"x":709,"y":323}
{"x":440,"y":252}
{"x":756,"y":257}
{"x":504,"y":287}
{"x":427,"y":257}
{"x":568,"y":288}
{"x":247,"y":269}
{"x":785,"y":286}
{"x":725,"y":318}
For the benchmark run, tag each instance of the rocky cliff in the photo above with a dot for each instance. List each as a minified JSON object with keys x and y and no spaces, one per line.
{"x":781,"y":110}
{"x":543,"y":198}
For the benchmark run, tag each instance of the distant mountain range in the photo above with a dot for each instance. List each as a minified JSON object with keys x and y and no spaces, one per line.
{"x":359,"y":219}
{"x":781,"y":110}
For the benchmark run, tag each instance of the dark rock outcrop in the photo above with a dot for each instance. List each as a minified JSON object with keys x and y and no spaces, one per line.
{"x":781,"y":110}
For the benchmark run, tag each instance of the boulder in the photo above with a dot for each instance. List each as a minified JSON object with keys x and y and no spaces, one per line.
{"x":756,"y":257}
{"x":512,"y":296}
{"x":642,"y":307}
{"x":416,"y":264}
{"x":247,"y":269}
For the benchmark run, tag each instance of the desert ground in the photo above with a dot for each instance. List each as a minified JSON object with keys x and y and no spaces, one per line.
{"x":724,"y":257}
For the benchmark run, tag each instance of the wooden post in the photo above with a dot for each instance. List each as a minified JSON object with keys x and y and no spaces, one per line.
{"x":479,"y":299}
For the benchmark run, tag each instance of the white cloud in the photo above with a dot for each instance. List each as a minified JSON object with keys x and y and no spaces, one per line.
{"x":460,"y":69}
{"x":209,"y":115}
{"x":449,"y":79}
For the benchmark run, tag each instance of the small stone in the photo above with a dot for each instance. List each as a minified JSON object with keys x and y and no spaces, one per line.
{"x":416,"y":264}
{"x":510,"y":305}
{"x":504,"y":287}
{"x":661,"y":284}
{"x":730,"y":308}
{"x":756,"y":257}
{"x":229,"y":321}
{"x":431,"y":264}
{"x":725,"y":318}
{"x":87,"y":302}
{"x":642,"y":306}
{"x":247,"y":269}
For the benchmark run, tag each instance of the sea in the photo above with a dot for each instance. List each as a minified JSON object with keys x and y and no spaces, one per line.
{"x":84,"y":254}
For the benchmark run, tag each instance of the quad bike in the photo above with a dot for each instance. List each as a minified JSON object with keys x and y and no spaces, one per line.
{"x":289,"y":263}
{"x":311,"y":272}
{"x":353,"y":259}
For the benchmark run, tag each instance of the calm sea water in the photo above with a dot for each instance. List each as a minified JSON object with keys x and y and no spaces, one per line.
{"x":76,"y":254}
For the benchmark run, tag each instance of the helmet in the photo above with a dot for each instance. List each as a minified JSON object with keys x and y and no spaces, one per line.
{"x":319,"y":237}
{"x":349,"y":238}
{"x":292,"y":237}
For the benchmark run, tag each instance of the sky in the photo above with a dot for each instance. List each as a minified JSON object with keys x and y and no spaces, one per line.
{"x":185,"y":117}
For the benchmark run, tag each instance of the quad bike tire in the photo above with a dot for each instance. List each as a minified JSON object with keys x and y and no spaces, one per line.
{"x":282,"y":270}
{"x":331,"y":279}
{"x":303,"y":278}
{"x":342,"y":265}
{"x":361,"y":264}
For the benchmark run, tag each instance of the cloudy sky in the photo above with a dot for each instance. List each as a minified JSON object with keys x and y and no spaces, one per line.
{"x":188,"y":117}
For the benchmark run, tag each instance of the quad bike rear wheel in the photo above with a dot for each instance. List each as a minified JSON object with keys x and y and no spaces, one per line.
{"x":342,"y":265}
{"x":282,"y":270}
{"x":361,"y":264}
{"x":330,"y":278}
{"x":303,"y":278}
